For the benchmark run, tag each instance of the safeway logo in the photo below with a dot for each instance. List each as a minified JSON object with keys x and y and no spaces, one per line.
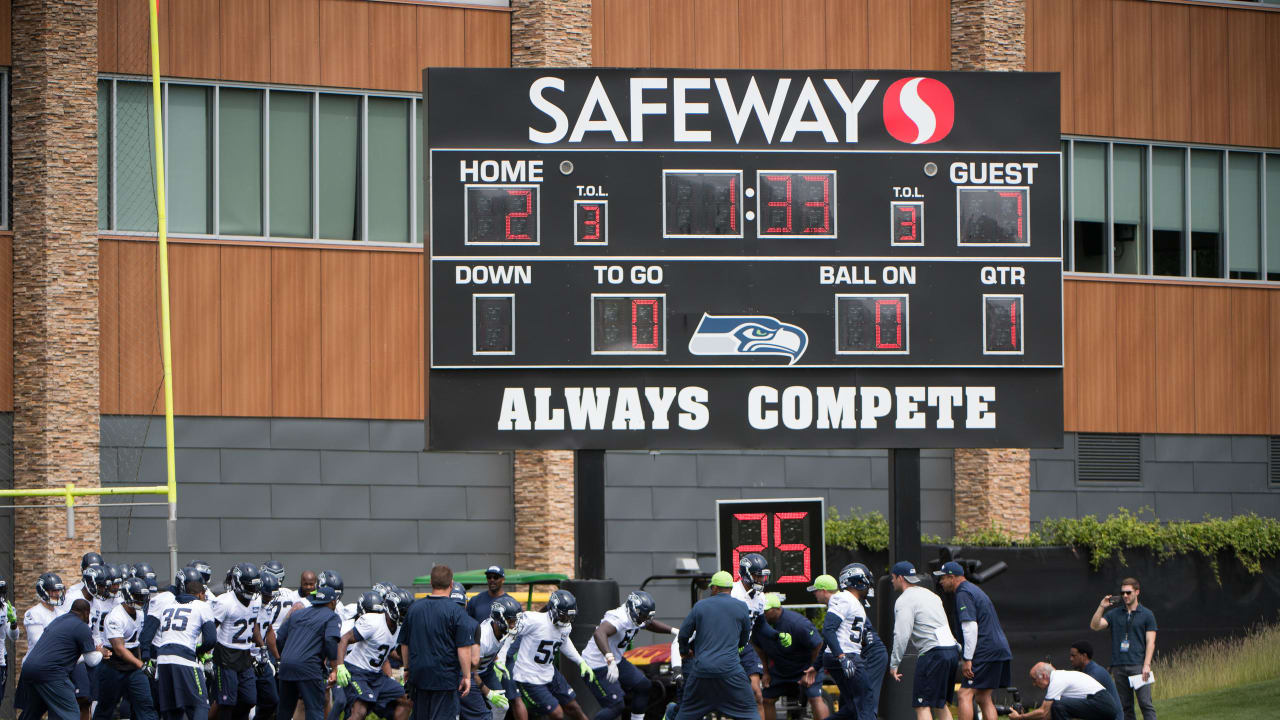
{"x":919,"y":110}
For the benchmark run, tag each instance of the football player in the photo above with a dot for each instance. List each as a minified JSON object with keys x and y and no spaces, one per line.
{"x":235,"y":613}
{"x":842,"y":630}
{"x":122,"y":673}
{"x":363,"y":670}
{"x":857,"y":579}
{"x":492,"y":635}
{"x":754,"y":573}
{"x":275,"y":604}
{"x":615,"y":678}
{"x":86,"y":560}
{"x":542,"y":635}
{"x":791,"y":671}
{"x":264,"y":663}
{"x":147,"y":574}
{"x":50,"y":593}
{"x":182,"y":632}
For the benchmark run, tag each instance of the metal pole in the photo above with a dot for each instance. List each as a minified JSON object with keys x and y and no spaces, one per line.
{"x":173,"y":538}
{"x":588,"y":502}
{"x":904,"y":505}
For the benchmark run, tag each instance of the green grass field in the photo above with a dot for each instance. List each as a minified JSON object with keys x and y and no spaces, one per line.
{"x":1243,"y":702}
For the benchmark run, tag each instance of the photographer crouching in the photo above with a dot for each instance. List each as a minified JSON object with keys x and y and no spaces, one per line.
{"x":1133,"y":643}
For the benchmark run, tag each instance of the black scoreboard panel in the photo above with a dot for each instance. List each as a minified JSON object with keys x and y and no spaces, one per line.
{"x":728,"y":276}
{"x":788,"y":532}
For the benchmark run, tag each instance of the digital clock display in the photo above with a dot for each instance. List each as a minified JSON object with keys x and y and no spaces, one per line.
{"x":794,"y":204}
{"x":787,"y":532}
{"x":628,"y":324}
{"x":871,"y":324}
{"x":992,"y":216}
{"x":702,"y":203}
{"x":502,"y":214}
{"x":1002,"y":324}
{"x":493,"y":323}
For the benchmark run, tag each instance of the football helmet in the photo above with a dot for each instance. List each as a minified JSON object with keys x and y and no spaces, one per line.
{"x":372,"y":601}
{"x":90,"y":558}
{"x":754,"y":569}
{"x":562,"y":606}
{"x":505,"y":612}
{"x":51,"y":583}
{"x":246,"y":581}
{"x":134,"y":591}
{"x":330,"y":578}
{"x":640,"y":607}
{"x":97,"y":581}
{"x":273,"y":567}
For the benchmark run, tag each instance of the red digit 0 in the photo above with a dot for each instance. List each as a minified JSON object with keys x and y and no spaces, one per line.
{"x":790,"y":547}
{"x":528,"y":209}
{"x":636,"y":304}
{"x":896,"y":307}
{"x":764,"y":539}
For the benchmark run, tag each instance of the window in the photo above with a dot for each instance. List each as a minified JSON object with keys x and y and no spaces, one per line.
{"x":1273,"y":455}
{"x":267,"y":162}
{"x":1108,"y":457}
{"x":1170,"y":210}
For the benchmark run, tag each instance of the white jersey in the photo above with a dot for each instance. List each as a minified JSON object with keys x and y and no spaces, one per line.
{"x":373,"y":643}
{"x":272,"y":614}
{"x":490,"y":644}
{"x":540,"y":639}
{"x":235,"y":620}
{"x":99,"y":609}
{"x":180,"y":631}
{"x":120,"y":624}
{"x":754,"y":601}
{"x":853,"y":622}
{"x":74,"y":593}
{"x":620,"y":619}
{"x":34,"y":620}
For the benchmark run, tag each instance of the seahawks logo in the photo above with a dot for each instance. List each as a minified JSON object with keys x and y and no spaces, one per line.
{"x":748,"y":335}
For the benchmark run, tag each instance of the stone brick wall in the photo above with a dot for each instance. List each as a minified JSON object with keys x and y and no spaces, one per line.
{"x":988,"y":35}
{"x":55,"y":275}
{"x":547,"y":33}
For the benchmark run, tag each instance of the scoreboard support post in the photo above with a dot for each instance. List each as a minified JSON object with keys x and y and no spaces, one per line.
{"x":904,"y":505}
{"x":588,"y":510}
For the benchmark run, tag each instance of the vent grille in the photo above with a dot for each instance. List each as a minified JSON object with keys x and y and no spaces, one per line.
{"x":1274,"y":453}
{"x":1109,"y":457}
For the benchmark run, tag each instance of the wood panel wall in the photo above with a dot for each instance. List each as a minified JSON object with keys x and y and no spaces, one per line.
{"x":1161,"y":70}
{"x":788,"y":34}
{"x":1146,"y":357}
{"x":337,"y":43}
{"x":261,"y":331}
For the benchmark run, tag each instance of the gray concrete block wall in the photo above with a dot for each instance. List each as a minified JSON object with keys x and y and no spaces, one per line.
{"x":354,"y":496}
{"x":660,"y":506}
{"x":1184,"y":477}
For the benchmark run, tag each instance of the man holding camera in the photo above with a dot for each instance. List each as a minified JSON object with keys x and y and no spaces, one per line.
{"x":1133,"y":643}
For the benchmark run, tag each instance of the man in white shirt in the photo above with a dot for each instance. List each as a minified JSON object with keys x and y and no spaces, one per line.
{"x":918,"y":616}
{"x":1069,"y":694}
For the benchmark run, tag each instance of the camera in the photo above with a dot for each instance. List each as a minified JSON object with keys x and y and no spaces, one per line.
{"x":1117,"y":599}
{"x":1015,"y":703}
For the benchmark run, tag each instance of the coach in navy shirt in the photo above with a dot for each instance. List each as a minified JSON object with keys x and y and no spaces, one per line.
{"x":478,"y":607}
{"x":1081,"y":657}
{"x":985,"y":654}
{"x":308,"y":637}
{"x":47,"y":668}
{"x":436,"y":641}
{"x":714,"y":678}
{"x":793,"y":669}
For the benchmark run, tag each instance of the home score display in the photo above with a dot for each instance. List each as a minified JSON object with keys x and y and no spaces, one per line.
{"x":695,"y":258}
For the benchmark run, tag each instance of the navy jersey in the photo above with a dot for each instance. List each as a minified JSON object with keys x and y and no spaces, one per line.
{"x":434,"y":629}
{"x":478,"y":607}
{"x":791,"y":661}
{"x":1099,"y":673}
{"x":973,"y":605}
{"x":307,"y":638}
{"x":723,"y":625}
{"x":63,"y":642}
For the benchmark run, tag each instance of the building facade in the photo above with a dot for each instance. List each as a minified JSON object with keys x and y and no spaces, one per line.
{"x":294,"y":169}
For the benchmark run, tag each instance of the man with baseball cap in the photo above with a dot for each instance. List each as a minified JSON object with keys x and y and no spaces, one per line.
{"x":478,"y":607}
{"x":918,"y":616}
{"x":714,"y":678}
{"x":791,"y":670}
{"x":985,"y":656}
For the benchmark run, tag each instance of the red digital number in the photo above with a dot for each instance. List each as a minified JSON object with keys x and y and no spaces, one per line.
{"x":791,"y":547}
{"x":636,"y":304}
{"x":824,"y":203}
{"x":1017,"y":196}
{"x":593,"y":222}
{"x":1013,"y":322}
{"x":785,"y":204}
{"x":528,"y":210}
{"x":893,"y":319}
{"x":911,"y":223}
{"x":764,"y":538}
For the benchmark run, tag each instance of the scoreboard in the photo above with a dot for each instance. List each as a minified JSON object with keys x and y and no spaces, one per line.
{"x":788,"y":532}
{"x":700,"y":259}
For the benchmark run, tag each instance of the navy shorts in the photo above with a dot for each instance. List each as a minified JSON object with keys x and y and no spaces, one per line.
{"x":543,"y":699}
{"x":375,"y":690}
{"x":791,"y":688}
{"x":730,"y":696}
{"x":181,"y":688}
{"x":988,"y":676}
{"x":934,"y":682}
{"x":310,"y":692}
{"x":471,"y":706}
{"x":435,"y":705}
{"x":235,"y":687}
{"x":631,"y":682}
{"x":84,"y":685}
{"x":751,"y":664}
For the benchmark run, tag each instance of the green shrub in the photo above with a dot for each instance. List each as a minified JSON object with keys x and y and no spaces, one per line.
{"x":1250,"y":538}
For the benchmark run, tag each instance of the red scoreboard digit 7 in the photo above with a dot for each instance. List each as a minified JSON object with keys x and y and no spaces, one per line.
{"x":788,"y":532}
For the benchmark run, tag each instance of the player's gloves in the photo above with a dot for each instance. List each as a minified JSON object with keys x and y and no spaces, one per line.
{"x":342,"y":675}
{"x":11,"y":613}
{"x":498,"y":699}
{"x":849,"y":665}
{"x":784,"y":639}
{"x":611,"y":671}
{"x":500,"y":671}
{"x":150,"y":669}
{"x":675,"y":631}
{"x":586,"y":671}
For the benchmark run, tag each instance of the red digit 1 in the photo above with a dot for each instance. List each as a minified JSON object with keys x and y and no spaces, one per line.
{"x":824,"y":203}
{"x":1013,"y":324}
{"x":593,"y":223}
{"x":764,"y":539}
{"x":790,"y":547}
{"x":786,"y":180}
{"x":636,"y":304}
{"x":1017,"y":195}
{"x":528,"y":208}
